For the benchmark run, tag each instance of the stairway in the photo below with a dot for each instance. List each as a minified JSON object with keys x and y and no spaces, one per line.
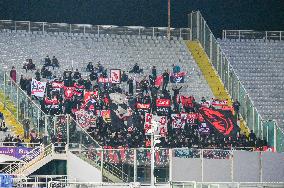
{"x":34,"y":160}
{"x":9,"y":115}
{"x":212,"y":77}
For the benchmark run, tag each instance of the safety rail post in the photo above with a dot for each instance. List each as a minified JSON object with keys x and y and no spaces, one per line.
{"x":170,"y":164}
{"x":135,"y":165}
{"x":29,"y":26}
{"x":102,"y":164}
{"x":202,"y":169}
{"x":197,"y":25}
{"x":38,"y":120}
{"x":211,"y":46}
{"x":18,"y":105}
{"x":204,"y":34}
{"x":5,"y":89}
{"x":274,"y":135}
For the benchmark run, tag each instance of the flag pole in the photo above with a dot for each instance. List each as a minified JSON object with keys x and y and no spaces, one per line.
{"x":169,"y":19}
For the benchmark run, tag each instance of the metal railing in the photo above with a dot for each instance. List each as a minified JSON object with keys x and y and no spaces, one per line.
{"x":23,"y":107}
{"x":45,"y":27}
{"x":193,"y":184}
{"x":263,"y":128}
{"x":97,"y":158}
{"x":251,"y":34}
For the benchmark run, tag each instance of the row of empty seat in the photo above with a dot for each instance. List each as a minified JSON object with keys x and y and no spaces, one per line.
{"x":260,"y":66}
{"x":111,"y":51}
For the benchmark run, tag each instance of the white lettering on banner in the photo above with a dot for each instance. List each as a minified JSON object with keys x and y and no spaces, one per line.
{"x":38,"y":88}
{"x":104,"y":80}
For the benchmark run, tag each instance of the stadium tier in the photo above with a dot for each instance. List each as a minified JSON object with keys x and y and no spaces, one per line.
{"x":123,"y":107}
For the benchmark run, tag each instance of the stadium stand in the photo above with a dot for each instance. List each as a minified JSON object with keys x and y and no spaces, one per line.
{"x":87,"y":112}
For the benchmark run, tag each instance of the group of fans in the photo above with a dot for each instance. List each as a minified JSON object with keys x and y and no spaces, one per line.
{"x":123,"y":125}
{"x":115,"y":116}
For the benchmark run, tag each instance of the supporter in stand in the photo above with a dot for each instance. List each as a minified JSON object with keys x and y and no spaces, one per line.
{"x":154,"y":72}
{"x":3,"y":127}
{"x":76,"y":75}
{"x":127,"y":122}
{"x":90,"y":67}
{"x":176,"y":69}
{"x":54,"y":62}
{"x":236,"y":106}
{"x":26,"y":126}
{"x":47,"y":62}
{"x":37,"y":75}
{"x":124,"y":77}
{"x":130,"y":86}
{"x":13,"y":74}
{"x":136,"y":69}
{"x":166,"y":78}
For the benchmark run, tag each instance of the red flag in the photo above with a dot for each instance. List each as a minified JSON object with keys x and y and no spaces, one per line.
{"x":159,"y":81}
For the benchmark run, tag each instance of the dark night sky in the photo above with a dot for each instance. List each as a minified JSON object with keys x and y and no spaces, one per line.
{"x":220,"y":14}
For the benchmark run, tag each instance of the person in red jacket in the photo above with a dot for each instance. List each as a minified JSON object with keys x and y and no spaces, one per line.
{"x":13,"y":74}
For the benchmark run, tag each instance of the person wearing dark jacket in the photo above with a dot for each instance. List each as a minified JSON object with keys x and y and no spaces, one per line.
{"x":90,"y":67}
{"x":23,"y":83}
{"x":165,"y":80}
{"x":77,"y":74}
{"x":236,"y":106}
{"x":13,"y":74}
{"x":37,"y":74}
{"x":130,"y":86}
{"x":154,"y":72}
{"x":124,"y":77}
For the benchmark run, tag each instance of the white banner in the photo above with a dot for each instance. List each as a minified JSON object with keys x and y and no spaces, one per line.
{"x":162,"y":125}
{"x":158,"y":123}
{"x":38,"y":88}
{"x":179,"y":120}
{"x":115,"y":76}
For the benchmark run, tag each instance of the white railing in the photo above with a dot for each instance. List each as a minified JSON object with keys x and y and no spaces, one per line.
{"x":251,"y":34}
{"x":29,"y":159}
{"x":193,"y":184}
{"x":92,"y":29}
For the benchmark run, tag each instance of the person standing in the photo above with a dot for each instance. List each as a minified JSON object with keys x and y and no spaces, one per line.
{"x":236,"y":106}
{"x":130,"y":86}
{"x":165,"y":80}
{"x":13,"y":74}
{"x":154,"y":72}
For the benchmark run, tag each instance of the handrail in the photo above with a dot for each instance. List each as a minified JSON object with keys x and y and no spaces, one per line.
{"x":45,"y":27}
{"x":22,"y":144}
{"x":253,"y":34}
{"x":15,"y":84}
{"x":7,"y":168}
{"x":36,"y":154}
{"x":107,"y":166}
{"x":240,"y":82}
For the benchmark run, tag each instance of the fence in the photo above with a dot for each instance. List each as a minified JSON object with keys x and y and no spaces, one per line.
{"x":181,"y":164}
{"x":58,"y":128}
{"x":250,"y":34}
{"x":93,"y":29}
{"x":266,"y":129}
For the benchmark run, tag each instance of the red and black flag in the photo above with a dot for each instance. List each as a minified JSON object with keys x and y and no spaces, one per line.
{"x":221,"y":120}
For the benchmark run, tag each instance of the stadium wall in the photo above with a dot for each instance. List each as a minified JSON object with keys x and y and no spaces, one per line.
{"x":81,"y":170}
{"x":242,"y":166}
